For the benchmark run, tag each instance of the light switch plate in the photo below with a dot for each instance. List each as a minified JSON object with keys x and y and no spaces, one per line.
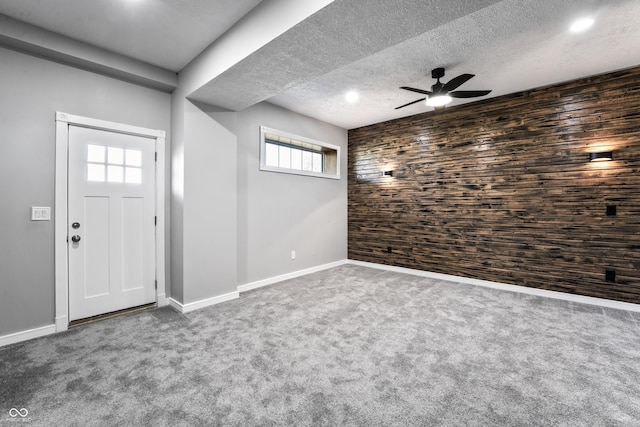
{"x":40,"y":213}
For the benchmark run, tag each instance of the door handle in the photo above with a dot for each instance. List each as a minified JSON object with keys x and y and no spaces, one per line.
{"x":75,"y":239}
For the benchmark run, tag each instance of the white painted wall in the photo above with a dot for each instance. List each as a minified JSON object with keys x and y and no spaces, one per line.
{"x":46,"y":44}
{"x":32,"y":89}
{"x":265,"y":22}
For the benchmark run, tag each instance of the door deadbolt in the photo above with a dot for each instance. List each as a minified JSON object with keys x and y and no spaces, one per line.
{"x":75,"y":239}
{"x":75,"y":225}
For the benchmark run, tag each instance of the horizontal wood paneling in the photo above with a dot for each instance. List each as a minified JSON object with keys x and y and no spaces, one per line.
{"x":502,"y":189}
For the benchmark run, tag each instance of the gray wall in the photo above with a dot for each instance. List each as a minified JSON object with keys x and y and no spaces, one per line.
{"x":278,"y":212}
{"x":218,"y":241}
{"x":233,"y":224}
{"x":176,"y":284}
{"x":210,"y":232}
{"x":31,"y":90}
{"x":203,"y":203}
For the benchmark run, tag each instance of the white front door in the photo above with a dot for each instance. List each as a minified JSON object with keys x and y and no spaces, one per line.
{"x":111,"y":221}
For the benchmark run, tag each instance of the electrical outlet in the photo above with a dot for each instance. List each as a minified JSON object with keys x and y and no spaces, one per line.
{"x":610,"y":276}
{"x":293,"y":254}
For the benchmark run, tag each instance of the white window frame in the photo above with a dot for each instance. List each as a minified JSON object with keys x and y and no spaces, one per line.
{"x":264,"y":167}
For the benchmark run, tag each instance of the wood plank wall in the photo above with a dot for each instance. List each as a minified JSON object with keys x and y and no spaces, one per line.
{"x":503,"y":190}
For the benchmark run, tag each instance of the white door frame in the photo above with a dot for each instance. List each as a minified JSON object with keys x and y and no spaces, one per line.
{"x":61,"y":262}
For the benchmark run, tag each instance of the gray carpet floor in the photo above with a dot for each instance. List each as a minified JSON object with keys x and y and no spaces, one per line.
{"x":346,"y":346}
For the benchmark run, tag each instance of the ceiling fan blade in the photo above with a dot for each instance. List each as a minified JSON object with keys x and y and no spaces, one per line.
{"x":456,"y":81}
{"x":468,"y":93}
{"x":412,"y":102}
{"x":412,"y":89}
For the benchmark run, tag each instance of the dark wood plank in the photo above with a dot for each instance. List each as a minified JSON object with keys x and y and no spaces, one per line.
{"x":502,"y":189}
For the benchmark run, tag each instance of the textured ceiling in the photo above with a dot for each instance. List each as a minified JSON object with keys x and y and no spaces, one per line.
{"x":511,"y":46}
{"x":165,"y":33}
{"x":343,"y":32}
{"x":371,"y":46}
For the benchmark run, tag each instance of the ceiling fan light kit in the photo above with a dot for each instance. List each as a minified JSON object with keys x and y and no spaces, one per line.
{"x":438,"y":100}
{"x":443,"y":93}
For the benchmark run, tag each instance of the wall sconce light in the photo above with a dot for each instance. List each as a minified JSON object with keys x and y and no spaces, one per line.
{"x":387,"y":173}
{"x":603,"y":156}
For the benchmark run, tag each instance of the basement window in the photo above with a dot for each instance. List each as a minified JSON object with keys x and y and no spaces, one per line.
{"x":287,"y":153}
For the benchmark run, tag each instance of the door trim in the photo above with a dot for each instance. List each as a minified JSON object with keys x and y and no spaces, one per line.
{"x":61,"y":262}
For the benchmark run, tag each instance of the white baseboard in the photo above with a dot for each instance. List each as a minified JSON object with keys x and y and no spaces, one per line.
{"x":619,"y":305}
{"x":186,"y":308}
{"x":175,"y":305}
{"x":162,"y":300}
{"x":265,"y":282}
{"x":27,"y":335}
{"x":62,"y":323}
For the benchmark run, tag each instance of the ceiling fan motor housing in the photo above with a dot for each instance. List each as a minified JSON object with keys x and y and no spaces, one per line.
{"x":437,"y":73}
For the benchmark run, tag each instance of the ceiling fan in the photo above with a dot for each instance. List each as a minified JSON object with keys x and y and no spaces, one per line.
{"x":443,"y":93}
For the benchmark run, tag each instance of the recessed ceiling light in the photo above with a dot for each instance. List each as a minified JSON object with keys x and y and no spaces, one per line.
{"x":581,"y":25}
{"x":351,"y":96}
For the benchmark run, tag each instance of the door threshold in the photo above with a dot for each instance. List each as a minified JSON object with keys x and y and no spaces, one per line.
{"x":111,"y":315}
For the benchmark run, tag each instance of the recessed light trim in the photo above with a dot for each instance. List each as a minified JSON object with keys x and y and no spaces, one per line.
{"x":581,"y":25}
{"x":351,"y":96}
